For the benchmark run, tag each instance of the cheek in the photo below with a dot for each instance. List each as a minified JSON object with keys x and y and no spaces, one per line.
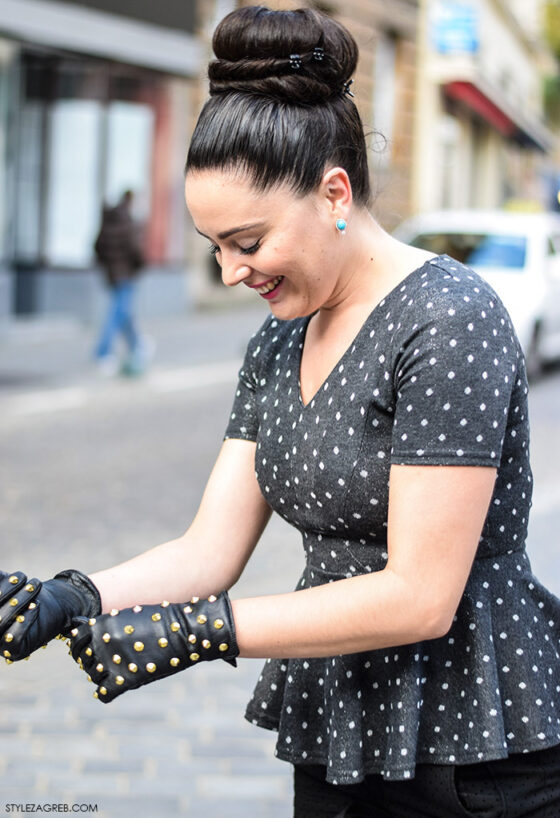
{"x":306,"y":265}
{"x":277,"y":260}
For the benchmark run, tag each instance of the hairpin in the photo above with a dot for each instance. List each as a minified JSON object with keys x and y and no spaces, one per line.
{"x":346,"y":88}
{"x":295,"y":61}
{"x":318,"y":54}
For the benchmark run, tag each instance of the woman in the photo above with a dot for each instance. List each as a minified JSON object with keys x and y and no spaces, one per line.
{"x":382,"y":410}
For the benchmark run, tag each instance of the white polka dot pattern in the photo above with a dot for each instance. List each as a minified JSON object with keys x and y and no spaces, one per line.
{"x":434,"y":376}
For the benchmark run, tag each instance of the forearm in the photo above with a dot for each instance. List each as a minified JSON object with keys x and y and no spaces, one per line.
{"x":349,"y":616}
{"x":211,"y":555}
{"x":175,"y":571}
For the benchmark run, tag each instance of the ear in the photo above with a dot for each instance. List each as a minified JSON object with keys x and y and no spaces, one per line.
{"x":337,"y":191}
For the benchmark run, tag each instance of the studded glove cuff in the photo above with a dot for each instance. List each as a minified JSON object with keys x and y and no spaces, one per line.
{"x":80,"y":595}
{"x":127,"y":649}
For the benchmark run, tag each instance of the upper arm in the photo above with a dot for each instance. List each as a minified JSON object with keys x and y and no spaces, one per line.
{"x":454,"y":382}
{"x":233,"y":513}
{"x":435,"y":519}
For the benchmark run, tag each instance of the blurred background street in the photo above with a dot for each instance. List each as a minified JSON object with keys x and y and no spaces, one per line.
{"x":461,"y":103}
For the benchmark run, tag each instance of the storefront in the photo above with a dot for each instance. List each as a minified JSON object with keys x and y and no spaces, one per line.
{"x":93,"y":104}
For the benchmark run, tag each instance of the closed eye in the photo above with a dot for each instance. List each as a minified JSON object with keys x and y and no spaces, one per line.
{"x":248,"y":251}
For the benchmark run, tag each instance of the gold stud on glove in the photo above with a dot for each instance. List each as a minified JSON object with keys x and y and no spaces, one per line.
{"x":16,"y":597}
{"x":33,"y":612}
{"x":127,"y":649}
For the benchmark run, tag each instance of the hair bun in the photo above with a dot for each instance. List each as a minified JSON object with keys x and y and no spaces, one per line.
{"x":299,"y":56}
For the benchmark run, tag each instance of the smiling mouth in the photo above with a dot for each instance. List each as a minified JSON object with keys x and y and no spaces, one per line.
{"x":269,"y":286}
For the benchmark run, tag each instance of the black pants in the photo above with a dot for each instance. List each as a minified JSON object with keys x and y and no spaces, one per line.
{"x":524,"y":785}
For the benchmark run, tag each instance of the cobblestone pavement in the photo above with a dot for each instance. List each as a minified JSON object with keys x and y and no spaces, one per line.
{"x":95,"y":479}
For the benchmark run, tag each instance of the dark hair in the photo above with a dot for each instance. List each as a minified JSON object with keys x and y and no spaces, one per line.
{"x":279,"y":107}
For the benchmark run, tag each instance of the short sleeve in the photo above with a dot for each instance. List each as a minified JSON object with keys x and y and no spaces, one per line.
{"x":243,"y":420}
{"x":454,"y":375}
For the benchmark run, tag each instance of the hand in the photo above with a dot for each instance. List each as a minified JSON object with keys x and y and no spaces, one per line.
{"x":32,"y":613}
{"x":126,"y":649}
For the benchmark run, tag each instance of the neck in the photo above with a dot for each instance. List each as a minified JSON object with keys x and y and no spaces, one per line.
{"x":374,"y":263}
{"x":362,"y":264}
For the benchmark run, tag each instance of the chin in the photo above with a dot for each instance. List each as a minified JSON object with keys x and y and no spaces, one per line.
{"x":287,"y":308}
{"x":286,"y":312}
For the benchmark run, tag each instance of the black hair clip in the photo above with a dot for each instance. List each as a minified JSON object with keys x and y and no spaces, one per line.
{"x":346,"y":88}
{"x":319,"y":54}
{"x":295,"y":61}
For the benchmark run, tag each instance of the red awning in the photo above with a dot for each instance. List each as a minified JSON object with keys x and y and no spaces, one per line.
{"x":473,"y":97}
{"x":506,"y":123}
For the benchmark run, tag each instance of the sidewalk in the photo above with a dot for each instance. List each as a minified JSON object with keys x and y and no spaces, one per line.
{"x":42,"y":354}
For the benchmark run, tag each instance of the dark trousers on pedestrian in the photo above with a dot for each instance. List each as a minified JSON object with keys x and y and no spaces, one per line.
{"x":525,"y":785}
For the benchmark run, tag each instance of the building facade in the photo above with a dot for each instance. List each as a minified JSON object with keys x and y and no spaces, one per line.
{"x":96,"y":96}
{"x":480,"y":138}
{"x":100,"y":96}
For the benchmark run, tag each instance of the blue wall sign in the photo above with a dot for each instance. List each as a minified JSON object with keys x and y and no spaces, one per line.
{"x":454,"y":27}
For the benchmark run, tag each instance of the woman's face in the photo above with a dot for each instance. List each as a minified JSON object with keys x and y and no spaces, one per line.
{"x":284,"y":247}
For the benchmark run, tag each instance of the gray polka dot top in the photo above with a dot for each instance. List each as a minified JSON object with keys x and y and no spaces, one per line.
{"x":435,"y":375}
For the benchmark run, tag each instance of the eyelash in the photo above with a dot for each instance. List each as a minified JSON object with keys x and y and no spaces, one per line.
{"x":246,"y":251}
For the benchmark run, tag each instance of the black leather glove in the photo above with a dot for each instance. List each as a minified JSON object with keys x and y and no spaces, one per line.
{"x":34,"y":612}
{"x":126,"y":649}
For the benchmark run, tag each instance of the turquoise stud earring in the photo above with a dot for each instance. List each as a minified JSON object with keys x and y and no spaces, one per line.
{"x":341,"y":225}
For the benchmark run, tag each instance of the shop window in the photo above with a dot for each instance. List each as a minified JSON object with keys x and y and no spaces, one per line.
{"x":72,"y":213}
{"x":86,"y":133}
{"x":130,"y":128}
{"x":28,"y":190}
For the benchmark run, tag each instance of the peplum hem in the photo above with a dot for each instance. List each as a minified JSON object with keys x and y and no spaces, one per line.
{"x":489,"y":688}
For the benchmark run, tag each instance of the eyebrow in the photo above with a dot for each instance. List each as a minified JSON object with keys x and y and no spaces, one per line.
{"x":227,"y":233}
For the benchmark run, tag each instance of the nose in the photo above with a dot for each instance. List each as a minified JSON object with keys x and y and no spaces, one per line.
{"x":234,"y":269}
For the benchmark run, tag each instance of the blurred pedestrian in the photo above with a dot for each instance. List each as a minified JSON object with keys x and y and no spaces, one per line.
{"x":381,"y":410}
{"x":119,"y":251}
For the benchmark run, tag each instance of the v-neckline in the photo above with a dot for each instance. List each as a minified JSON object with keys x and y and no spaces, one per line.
{"x":356,"y":338}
